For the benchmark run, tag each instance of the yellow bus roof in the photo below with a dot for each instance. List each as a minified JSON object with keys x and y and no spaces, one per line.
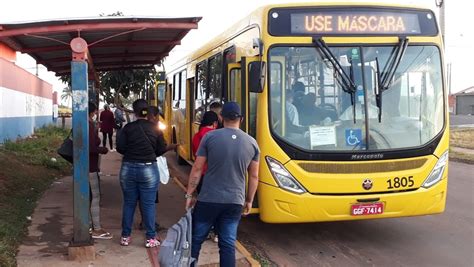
{"x":258,"y":17}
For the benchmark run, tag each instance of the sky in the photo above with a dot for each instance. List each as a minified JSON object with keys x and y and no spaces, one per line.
{"x":220,"y":15}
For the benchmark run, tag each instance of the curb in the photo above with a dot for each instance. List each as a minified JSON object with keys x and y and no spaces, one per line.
{"x":238,"y":245}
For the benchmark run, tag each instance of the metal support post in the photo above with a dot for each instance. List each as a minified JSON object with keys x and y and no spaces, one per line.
{"x":80,"y":126}
{"x":81,"y":247}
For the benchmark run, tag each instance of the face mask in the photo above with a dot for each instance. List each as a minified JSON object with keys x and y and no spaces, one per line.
{"x":94,"y":118}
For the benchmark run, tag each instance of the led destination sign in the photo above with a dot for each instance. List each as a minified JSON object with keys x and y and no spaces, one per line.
{"x":355,"y":21}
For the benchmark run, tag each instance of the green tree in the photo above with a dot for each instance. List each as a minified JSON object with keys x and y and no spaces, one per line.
{"x":66,"y":95}
{"x":123,"y":83}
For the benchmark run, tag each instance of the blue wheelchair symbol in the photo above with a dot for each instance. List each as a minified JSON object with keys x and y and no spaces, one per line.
{"x":353,"y":137}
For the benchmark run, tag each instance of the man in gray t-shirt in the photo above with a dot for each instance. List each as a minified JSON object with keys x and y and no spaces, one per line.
{"x":229,"y":153}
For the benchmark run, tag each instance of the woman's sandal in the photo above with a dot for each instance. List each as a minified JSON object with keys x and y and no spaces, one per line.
{"x":102,"y":235}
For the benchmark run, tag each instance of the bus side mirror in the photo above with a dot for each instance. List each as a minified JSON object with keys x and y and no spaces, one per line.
{"x":256,"y":76}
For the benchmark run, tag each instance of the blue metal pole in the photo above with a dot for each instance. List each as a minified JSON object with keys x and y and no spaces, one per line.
{"x":80,"y":126}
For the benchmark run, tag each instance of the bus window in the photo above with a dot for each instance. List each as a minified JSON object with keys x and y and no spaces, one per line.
{"x":201,"y":88}
{"x":175,"y":90}
{"x":215,"y":79}
{"x":161,"y":98}
{"x":229,"y":57}
{"x":182,"y":94}
{"x":182,"y":79}
{"x":235,"y":86}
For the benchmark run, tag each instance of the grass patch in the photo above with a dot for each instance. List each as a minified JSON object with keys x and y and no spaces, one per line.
{"x":26,"y":171}
{"x":462,"y":157}
{"x":264,"y":262}
{"x":462,"y":138}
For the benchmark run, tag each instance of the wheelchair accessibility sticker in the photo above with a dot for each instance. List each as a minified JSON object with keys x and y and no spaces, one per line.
{"x":353,"y":137}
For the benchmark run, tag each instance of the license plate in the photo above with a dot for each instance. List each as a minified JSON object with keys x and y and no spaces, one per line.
{"x":367,"y":209}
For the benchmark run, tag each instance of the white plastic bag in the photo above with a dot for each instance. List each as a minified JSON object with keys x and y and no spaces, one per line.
{"x":163,"y":169}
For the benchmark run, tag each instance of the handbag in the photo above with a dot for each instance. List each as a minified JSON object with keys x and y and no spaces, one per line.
{"x":161,"y":163}
{"x":66,"y":150}
{"x":163,"y":169}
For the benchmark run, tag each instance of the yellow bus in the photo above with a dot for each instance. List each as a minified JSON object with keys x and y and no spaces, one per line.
{"x":347,"y":103}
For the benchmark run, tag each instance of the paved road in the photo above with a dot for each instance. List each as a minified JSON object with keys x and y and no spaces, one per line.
{"x":438,"y":240}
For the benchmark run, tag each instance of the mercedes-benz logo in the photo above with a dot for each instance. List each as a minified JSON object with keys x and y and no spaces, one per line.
{"x":367,"y":184}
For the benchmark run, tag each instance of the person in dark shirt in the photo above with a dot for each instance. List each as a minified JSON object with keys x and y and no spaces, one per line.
{"x":94,"y":151}
{"x":152,"y":117}
{"x":107,"y":122}
{"x":139,"y":142}
{"x":310,"y":114}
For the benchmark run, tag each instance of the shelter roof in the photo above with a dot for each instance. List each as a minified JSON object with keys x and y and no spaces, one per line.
{"x":113,"y":42}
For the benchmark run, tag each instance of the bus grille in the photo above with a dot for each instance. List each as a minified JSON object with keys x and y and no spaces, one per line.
{"x":362,"y":167}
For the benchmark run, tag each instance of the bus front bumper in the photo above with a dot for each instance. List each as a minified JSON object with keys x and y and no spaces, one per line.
{"x":280,"y":206}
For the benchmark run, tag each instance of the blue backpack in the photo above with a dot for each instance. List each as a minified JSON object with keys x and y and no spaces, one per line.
{"x":175,"y":250}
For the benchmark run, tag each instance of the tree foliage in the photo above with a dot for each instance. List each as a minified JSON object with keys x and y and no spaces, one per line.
{"x":123,"y":83}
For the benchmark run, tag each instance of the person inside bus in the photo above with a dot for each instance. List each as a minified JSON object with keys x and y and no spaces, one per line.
{"x":290,"y":126}
{"x":291,"y":109}
{"x":298,"y":93}
{"x":310,"y":114}
{"x":216,"y":107}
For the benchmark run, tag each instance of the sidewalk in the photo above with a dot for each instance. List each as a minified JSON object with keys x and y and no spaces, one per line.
{"x":51,"y":227}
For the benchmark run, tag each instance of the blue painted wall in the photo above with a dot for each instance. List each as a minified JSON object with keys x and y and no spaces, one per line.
{"x":15,"y":127}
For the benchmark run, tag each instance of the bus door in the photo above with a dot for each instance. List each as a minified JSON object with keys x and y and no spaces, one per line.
{"x":193,"y":117}
{"x":239,"y":85}
{"x":238,"y":91}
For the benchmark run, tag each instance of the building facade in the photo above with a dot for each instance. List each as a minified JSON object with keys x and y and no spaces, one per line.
{"x":465,"y":102}
{"x":26,"y":102}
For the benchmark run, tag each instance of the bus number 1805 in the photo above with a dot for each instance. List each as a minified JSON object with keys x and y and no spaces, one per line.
{"x":400,"y":182}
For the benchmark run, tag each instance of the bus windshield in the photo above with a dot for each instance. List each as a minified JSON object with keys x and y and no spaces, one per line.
{"x":312,"y":109}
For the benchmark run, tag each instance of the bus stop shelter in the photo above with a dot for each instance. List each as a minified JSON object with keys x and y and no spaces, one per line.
{"x":81,"y":48}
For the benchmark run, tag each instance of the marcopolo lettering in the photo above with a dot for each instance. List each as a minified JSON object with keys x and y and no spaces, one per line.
{"x":366,"y":156}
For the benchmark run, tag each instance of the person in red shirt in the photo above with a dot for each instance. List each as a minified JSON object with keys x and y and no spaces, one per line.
{"x":107,"y":122}
{"x":209,"y":122}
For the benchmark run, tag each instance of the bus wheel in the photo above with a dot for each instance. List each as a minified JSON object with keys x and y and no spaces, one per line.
{"x":179,"y":159}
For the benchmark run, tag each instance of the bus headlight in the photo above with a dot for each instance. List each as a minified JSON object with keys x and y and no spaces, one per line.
{"x":161,"y":126}
{"x":437,"y":173}
{"x":283,"y":177}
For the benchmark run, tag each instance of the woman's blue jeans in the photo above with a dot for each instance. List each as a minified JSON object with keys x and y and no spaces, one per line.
{"x":139,"y":181}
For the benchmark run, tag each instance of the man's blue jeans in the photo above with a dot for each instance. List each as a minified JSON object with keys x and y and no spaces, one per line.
{"x":139,"y":181}
{"x":225,"y":218}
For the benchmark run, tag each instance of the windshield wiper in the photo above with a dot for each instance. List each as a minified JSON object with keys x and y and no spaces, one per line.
{"x":345,"y":80}
{"x":385,"y":78}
